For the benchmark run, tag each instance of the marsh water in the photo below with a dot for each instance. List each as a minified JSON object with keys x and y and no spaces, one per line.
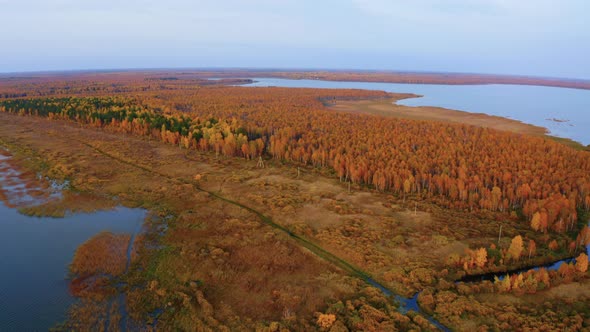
{"x":554,"y":266}
{"x":34,"y":255}
{"x":564,"y":112}
{"x":35,"y":252}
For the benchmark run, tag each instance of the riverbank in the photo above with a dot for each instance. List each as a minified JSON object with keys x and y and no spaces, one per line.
{"x":378,"y":76}
{"x":35,"y":251}
{"x":210,"y":244}
{"x":388,"y":107}
{"x":395,"y":77}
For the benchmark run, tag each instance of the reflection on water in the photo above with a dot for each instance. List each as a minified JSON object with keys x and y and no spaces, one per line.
{"x":35,"y":254}
{"x":501,"y":275}
{"x":19,"y":189}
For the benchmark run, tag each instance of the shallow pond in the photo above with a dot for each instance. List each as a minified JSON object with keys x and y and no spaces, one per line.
{"x":35,"y":254}
{"x":565,"y":112}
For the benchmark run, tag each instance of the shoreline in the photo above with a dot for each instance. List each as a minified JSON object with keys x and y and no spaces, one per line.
{"x":427,"y":113}
{"x":389,"y":107}
{"x":422,"y":232}
{"x":264,"y":218}
{"x":335,"y":75}
{"x":434,"y":78}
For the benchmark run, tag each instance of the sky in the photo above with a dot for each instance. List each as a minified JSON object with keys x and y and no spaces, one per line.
{"x":525,"y":37}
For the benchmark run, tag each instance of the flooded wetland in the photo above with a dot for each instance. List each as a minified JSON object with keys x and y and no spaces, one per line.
{"x":36,"y":251}
{"x":226,"y":226}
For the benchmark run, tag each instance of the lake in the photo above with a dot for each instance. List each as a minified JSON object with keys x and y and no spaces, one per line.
{"x":565,"y":112}
{"x":35,"y":254}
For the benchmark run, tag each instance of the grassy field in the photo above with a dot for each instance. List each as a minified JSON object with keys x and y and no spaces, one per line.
{"x":236,"y":271}
{"x":219,"y":267}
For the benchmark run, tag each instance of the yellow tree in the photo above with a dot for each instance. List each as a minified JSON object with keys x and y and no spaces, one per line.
{"x":516,"y":247}
{"x":582,"y":263}
{"x":503,"y":284}
{"x":542,"y":276}
{"x":536,"y":221}
{"x":496,"y":197}
{"x":407,"y":186}
{"x":481,"y":257}
{"x":325,"y":321}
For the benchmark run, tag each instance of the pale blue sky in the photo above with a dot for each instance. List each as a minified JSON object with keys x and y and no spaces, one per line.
{"x":531,"y":37}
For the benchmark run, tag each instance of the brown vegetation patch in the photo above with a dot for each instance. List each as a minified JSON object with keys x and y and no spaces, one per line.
{"x":578,"y":291}
{"x":218,"y":266}
{"x":104,"y":253}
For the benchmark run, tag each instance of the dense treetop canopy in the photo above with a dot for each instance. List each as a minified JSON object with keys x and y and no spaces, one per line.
{"x":455,"y":165}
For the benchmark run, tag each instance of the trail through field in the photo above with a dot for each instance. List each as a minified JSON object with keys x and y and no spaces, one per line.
{"x":405,"y":304}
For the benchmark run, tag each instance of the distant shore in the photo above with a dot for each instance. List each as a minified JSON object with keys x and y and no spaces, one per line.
{"x":377,"y":76}
{"x":10,"y":88}
{"x":399,"y":77}
{"x":388,"y":107}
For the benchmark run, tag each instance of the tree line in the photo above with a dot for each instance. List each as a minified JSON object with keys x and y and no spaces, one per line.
{"x":453,"y":165}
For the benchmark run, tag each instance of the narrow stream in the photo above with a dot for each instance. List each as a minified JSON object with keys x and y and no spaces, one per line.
{"x":554,"y":266}
{"x":407,"y":303}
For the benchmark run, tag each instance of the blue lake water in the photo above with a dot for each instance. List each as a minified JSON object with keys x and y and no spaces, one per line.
{"x":535,"y":105}
{"x":34,"y":256}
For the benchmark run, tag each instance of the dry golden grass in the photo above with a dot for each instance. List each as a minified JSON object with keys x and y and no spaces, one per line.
{"x":218,"y":266}
{"x":104,"y":253}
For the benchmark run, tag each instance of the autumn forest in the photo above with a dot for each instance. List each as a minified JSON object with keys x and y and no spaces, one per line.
{"x":450,"y":214}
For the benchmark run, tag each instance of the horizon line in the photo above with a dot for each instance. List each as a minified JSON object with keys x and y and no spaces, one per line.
{"x":3,"y":74}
